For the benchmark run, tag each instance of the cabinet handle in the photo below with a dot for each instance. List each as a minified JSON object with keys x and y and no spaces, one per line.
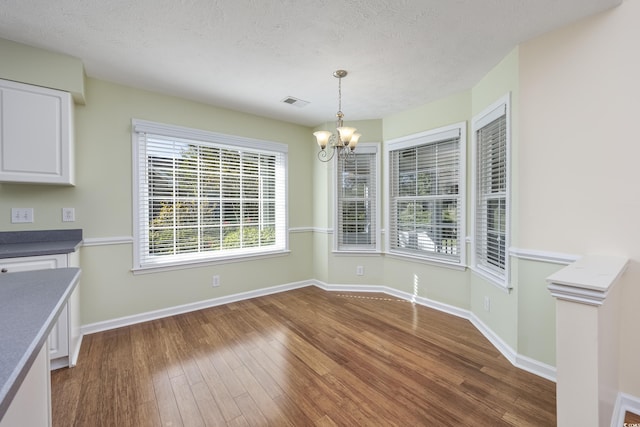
{"x":4,"y":270}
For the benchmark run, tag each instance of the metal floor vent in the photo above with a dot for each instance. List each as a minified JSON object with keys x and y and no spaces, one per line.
{"x":295,"y":101}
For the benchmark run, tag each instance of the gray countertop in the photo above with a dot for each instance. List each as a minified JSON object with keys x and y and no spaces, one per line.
{"x":30,"y":303}
{"x":15,"y":244}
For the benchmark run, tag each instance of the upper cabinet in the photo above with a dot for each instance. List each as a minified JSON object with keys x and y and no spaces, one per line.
{"x":36,"y":135}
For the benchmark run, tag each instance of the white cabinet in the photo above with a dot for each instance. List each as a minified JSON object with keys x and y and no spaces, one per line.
{"x":36,"y":134}
{"x":64,"y":339}
{"x":31,"y":406}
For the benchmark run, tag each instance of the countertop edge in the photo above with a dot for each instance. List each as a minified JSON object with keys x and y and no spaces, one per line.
{"x":8,"y":392}
{"x":36,"y":249}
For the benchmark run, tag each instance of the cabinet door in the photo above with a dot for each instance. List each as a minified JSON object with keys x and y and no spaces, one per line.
{"x":30,"y":263}
{"x":59,"y":336}
{"x":36,"y":134}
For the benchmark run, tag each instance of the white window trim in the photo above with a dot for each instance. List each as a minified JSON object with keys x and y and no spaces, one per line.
{"x":363,"y":147}
{"x":432,"y":135}
{"x":499,"y":108}
{"x":232,"y":141}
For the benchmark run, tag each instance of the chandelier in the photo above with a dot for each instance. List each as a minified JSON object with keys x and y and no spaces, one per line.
{"x":345,"y":139}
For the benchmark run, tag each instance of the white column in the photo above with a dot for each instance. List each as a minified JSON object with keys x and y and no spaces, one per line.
{"x":587,"y":344}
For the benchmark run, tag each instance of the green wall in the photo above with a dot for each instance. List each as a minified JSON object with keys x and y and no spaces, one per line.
{"x":104,"y":193}
{"x":446,"y":285}
{"x":103,"y":202}
{"x":502,"y":317}
{"x":42,"y":68}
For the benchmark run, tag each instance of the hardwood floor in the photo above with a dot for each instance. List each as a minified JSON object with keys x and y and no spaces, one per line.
{"x":631,"y":418}
{"x":300,"y":358}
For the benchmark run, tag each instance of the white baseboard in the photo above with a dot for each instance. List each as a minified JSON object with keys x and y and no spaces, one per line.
{"x":68,"y":361}
{"x":504,"y":348}
{"x":536,"y":367}
{"x":624,"y":402}
{"x":523,"y":362}
{"x":59,"y":363}
{"x":185,"y":308}
{"x":520,"y":361}
{"x":450,"y":309}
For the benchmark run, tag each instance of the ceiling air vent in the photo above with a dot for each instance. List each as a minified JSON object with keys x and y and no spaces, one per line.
{"x":295,"y":101}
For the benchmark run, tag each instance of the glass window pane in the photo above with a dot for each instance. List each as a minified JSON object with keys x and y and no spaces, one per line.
{"x":424,"y":183}
{"x":356,"y":192}
{"x":204,"y":197}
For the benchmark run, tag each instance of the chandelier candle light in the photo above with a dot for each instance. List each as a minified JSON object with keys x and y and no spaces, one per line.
{"x":345,"y":139}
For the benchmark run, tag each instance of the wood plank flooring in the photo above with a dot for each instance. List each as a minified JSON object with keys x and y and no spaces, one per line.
{"x":632,"y":419}
{"x":300,"y":358}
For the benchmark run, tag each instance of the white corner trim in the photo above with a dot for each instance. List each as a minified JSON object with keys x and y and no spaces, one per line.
{"x":588,"y":280}
{"x":73,"y":358}
{"x":624,"y":402}
{"x":186,"y":308}
{"x":576,"y":294}
{"x":543,"y":256}
{"x":102,"y":241}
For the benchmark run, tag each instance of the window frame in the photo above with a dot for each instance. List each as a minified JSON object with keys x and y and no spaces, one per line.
{"x":432,"y":136}
{"x":500,"y":277}
{"x":141,"y":262}
{"x":363,"y":148}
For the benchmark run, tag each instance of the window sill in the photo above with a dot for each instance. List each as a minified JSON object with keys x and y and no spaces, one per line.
{"x":356,"y":252}
{"x":431,"y":261}
{"x":497,"y":281}
{"x":203,"y":262}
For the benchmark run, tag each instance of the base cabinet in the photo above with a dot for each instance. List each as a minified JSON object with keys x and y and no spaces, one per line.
{"x":31,"y":406}
{"x":64,"y":339}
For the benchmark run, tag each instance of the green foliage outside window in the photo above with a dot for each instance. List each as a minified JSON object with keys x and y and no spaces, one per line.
{"x":210,"y":199}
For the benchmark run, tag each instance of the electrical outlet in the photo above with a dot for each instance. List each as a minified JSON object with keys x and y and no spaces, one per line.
{"x":216,"y":281}
{"x":68,"y":214}
{"x":20,"y":215}
{"x":360,"y":270}
{"x":487,"y":303}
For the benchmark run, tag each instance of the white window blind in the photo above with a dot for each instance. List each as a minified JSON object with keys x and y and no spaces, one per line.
{"x":491,"y":193}
{"x":357,"y":195}
{"x":206,"y":198}
{"x":426,"y":196}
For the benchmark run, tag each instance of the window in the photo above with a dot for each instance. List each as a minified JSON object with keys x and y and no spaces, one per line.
{"x":202,"y":196}
{"x":426,"y":195}
{"x":356,"y":200}
{"x":491,"y":192}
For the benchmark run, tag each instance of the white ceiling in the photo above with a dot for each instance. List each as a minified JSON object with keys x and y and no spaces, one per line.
{"x":249,"y":55}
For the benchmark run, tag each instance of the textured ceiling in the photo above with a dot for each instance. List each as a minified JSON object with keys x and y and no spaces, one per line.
{"x":249,"y":55}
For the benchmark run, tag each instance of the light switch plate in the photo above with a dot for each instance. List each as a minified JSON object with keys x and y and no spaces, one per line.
{"x":21,"y":215}
{"x":68,"y":214}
